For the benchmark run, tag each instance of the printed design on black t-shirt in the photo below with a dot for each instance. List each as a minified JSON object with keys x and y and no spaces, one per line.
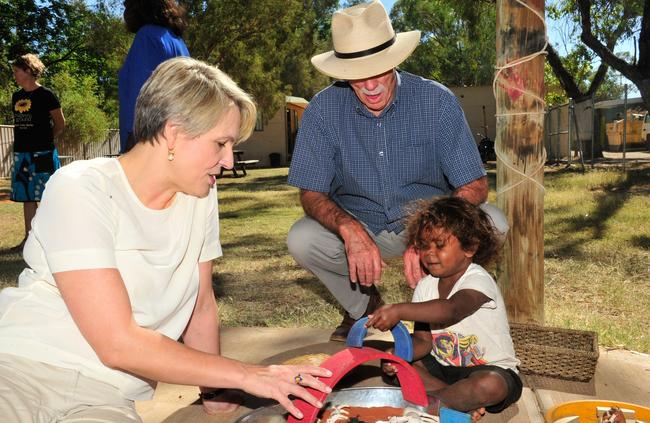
{"x":455,"y":349}
{"x":23,"y":106}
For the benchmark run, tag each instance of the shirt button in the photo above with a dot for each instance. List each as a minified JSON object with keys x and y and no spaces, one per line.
{"x":381,"y":154}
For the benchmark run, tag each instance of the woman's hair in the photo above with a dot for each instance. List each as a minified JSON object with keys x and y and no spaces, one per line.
{"x":467,"y":222}
{"x":30,"y":63}
{"x":193,"y":94}
{"x":166,"y":13}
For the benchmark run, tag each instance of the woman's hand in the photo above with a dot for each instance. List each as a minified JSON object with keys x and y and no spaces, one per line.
{"x":278,"y":382}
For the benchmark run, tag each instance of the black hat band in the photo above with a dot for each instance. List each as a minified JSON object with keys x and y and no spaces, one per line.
{"x":368,"y":52}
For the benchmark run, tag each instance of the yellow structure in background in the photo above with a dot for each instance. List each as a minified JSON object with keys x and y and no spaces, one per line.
{"x":634,"y":127}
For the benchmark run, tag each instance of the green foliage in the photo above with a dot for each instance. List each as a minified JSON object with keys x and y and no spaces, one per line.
{"x":616,"y":20}
{"x":609,"y":88}
{"x":85,"y":121}
{"x":611,"y":23}
{"x":264,"y":45}
{"x":554,"y":95}
{"x":458,"y":40}
{"x":69,"y":37}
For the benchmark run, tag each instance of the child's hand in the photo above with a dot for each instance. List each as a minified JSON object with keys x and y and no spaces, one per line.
{"x":388,"y":368}
{"x":384,"y":318}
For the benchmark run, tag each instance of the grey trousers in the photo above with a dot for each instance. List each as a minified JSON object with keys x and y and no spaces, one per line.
{"x":322,"y":252}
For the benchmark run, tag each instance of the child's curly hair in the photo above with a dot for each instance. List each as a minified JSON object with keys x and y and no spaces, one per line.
{"x":467,"y":222}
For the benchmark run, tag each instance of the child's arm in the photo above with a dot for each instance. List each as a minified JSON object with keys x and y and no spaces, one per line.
{"x":422,"y":341}
{"x":438,"y":313}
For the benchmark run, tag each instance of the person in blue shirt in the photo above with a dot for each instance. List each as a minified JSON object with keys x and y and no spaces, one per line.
{"x":158,"y":26}
{"x":370,"y":144}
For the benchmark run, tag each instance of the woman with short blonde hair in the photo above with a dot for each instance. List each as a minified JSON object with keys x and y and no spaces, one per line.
{"x":126,"y":271}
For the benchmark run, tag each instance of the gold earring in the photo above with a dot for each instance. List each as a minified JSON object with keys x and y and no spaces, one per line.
{"x":170,"y":155}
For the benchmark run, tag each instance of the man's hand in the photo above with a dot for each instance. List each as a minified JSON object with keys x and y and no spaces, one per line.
{"x":412,"y":267}
{"x":364,"y":258}
{"x":384,"y":318}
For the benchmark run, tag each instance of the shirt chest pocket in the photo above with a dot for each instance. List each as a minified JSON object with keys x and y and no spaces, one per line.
{"x":416,"y":159}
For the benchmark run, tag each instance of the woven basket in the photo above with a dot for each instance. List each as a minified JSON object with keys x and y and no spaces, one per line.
{"x":555,"y":352}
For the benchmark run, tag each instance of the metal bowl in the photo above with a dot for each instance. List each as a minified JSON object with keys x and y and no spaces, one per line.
{"x":359,"y":397}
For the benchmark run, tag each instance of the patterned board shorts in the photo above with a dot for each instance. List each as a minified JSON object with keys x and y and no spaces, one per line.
{"x":30,"y":173}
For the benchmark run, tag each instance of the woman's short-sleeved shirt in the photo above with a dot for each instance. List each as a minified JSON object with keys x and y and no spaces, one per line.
{"x":32,"y":120}
{"x":90,"y":218}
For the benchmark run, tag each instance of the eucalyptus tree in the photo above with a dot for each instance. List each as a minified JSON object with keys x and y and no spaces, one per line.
{"x":458,"y":39}
{"x":265,"y":45}
{"x":601,"y":26}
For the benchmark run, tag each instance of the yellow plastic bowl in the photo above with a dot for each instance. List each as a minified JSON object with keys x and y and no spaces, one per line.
{"x":587,"y":410}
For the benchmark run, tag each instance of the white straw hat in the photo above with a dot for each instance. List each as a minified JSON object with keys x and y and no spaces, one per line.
{"x":365,"y":43}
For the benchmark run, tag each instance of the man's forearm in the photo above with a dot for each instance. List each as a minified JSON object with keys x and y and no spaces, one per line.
{"x":321,"y":208}
{"x":475,"y":192}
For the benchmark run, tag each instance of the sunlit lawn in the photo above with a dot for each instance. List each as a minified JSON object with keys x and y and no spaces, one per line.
{"x":597,"y":247}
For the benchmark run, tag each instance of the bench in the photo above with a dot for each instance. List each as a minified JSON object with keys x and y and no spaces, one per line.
{"x":241,"y":164}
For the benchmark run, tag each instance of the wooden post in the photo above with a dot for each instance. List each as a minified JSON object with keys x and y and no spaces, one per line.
{"x":519,"y":91}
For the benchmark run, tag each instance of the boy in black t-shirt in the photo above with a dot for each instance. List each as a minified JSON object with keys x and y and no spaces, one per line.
{"x":38,"y":118}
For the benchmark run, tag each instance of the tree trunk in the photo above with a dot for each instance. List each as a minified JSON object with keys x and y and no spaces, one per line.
{"x":520,"y":164}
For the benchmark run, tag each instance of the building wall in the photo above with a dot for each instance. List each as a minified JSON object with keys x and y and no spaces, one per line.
{"x":272,"y":139}
{"x":472,"y":100}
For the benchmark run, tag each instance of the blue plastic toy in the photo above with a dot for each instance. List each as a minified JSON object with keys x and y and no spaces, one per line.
{"x":447,"y":415}
{"x":401,"y":335}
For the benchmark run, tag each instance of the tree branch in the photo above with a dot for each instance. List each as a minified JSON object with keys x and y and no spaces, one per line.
{"x":644,"y":42}
{"x":566,"y":79}
{"x":601,"y":50}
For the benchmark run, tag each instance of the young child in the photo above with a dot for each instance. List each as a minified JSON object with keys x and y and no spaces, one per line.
{"x":461,"y":342}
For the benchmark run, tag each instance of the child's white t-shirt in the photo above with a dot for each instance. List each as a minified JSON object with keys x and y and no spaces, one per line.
{"x":481,"y":338}
{"x":90,"y":218}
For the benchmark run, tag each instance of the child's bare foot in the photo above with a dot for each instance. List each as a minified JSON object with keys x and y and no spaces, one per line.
{"x":435,"y":405}
{"x":226,"y":401}
{"x":477,"y":414}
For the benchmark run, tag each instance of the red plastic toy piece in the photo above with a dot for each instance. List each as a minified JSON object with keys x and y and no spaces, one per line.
{"x":342,"y":362}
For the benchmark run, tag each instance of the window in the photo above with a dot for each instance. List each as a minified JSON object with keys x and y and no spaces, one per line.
{"x":259,"y":124}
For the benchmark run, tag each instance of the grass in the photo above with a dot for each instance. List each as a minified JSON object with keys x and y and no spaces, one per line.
{"x":597,"y":247}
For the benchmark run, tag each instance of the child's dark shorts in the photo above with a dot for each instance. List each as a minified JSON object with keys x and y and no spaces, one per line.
{"x":452,"y":374}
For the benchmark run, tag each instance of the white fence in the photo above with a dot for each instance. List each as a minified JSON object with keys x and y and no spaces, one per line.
{"x":110,"y":146}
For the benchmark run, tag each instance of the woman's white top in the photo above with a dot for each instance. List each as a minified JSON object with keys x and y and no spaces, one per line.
{"x":90,"y":218}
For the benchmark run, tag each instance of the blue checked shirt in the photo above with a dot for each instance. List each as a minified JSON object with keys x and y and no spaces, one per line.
{"x":373,"y":167}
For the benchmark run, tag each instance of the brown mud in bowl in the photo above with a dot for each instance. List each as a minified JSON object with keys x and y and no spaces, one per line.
{"x":356,"y":397}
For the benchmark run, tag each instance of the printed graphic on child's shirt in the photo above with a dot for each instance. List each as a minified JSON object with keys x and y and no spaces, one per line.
{"x":455,"y":349}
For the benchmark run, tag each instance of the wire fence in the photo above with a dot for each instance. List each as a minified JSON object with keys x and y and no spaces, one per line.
{"x":583,"y":131}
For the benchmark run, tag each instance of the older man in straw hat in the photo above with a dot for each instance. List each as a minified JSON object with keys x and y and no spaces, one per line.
{"x":370,"y":144}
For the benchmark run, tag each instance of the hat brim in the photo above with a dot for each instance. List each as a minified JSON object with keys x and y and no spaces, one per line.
{"x":367,"y":66}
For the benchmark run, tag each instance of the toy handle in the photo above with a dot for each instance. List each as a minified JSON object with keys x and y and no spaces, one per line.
{"x":401,"y":335}
{"x":344,"y":361}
